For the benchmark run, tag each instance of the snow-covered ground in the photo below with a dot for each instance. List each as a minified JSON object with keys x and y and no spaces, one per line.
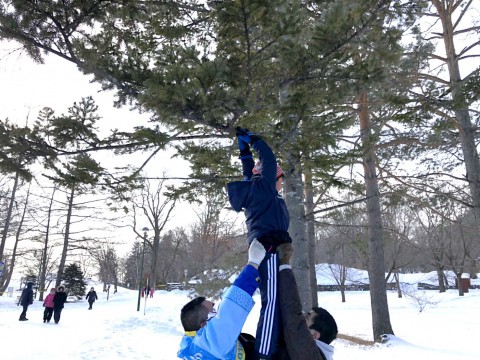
{"x":448,"y":327}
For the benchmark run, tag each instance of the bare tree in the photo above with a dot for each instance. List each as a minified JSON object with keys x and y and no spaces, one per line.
{"x":19,"y":231}
{"x":153,"y":205}
{"x":108,"y":265}
{"x":169,"y":270}
{"x":398,"y":228}
{"x":211,"y":237}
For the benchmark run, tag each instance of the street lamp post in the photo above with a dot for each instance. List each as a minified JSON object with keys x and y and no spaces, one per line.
{"x":140,"y":275}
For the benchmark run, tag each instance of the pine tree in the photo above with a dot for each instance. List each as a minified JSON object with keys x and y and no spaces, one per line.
{"x":73,"y":280}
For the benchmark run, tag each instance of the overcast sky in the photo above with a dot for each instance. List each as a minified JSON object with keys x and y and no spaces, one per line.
{"x":26,"y":87}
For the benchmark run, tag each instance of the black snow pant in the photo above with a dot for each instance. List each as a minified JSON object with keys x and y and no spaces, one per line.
{"x":269,"y":336}
{"x":23,"y":315}
{"x":56,"y":314}
{"x":90,"y":303}
{"x":269,"y":328}
{"x":47,"y":314}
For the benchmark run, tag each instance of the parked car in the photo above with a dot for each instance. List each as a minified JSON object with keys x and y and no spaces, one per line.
{"x":73,"y":298}
{"x":173,"y":286}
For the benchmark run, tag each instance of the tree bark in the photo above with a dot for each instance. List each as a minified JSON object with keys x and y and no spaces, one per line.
{"x":459,"y":284}
{"x":441,"y":280}
{"x":8,"y":217}
{"x":397,"y":282}
{"x":309,"y":204}
{"x":297,"y":229}
{"x":376,"y":272}
{"x":66,"y":237}
{"x":43,"y":273}
{"x":343,"y":279}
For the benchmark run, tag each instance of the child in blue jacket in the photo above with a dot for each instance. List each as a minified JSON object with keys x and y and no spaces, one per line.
{"x":267,"y":220}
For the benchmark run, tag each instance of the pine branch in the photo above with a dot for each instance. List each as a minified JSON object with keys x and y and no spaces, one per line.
{"x":433,"y":78}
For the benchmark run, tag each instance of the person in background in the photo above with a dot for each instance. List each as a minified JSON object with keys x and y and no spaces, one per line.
{"x":48,"y":304}
{"x":208,"y":336}
{"x":306,"y":336}
{"x":267,"y":220}
{"x":91,"y":297}
{"x":59,"y":300}
{"x":152,"y":291}
{"x":26,"y":299}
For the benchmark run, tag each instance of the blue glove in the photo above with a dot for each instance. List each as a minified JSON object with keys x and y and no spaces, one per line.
{"x":243,"y":143}
{"x":243,"y":136}
{"x":241,"y":131}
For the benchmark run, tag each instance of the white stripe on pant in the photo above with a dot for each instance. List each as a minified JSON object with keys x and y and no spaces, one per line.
{"x":269,"y":314}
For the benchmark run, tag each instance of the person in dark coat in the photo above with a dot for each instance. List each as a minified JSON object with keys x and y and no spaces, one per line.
{"x":58,"y":300}
{"x":306,"y":336}
{"x":91,"y":297}
{"x":267,"y":220}
{"x":26,"y":299}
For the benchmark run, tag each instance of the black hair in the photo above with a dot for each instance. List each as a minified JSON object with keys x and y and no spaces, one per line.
{"x":193,"y":314}
{"x":325,"y":324}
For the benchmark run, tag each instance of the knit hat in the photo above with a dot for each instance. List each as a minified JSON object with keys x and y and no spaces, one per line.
{"x":257,"y":169}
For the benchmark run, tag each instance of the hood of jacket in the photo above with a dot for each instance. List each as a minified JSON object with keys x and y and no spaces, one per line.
{"x":326,"y":349}
{"x":238,"y":192}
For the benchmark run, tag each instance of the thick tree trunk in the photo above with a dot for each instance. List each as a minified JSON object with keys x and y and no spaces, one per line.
{"x":6,"y":224}
{"x":8,"y":274}
{"x":297,"y":230}
{"x":397,"y":283}
{"x":66,"y":237}
{"x":8,"y":277}
{"x":343,"y":279}
{"x":459,"y":284}
{"x":153,"y":268}
{"x":441,"y":280}
{"x":310,"y":230}
{"x":378,"y":295}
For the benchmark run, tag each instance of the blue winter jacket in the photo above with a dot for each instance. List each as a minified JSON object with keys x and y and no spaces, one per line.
{"x":218,"y":339}
{"x":265,"y":209}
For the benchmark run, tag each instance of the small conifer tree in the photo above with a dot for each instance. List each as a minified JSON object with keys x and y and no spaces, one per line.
{"x":73,"y":280}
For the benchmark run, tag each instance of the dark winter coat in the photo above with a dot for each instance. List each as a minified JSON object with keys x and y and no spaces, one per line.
{"x":59,"y":299}
{"x":27,"y":295}
{"x":92,"y":296}
{"x":298,"y":340}
{"x":265,"y":210}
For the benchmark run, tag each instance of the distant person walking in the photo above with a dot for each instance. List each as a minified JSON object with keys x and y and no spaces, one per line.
{"x":26,"y":299}
{"x":91,"y":297}
{"x":152,"y":290}
{"x":48,"y":304}
{"x":58,"y":300}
